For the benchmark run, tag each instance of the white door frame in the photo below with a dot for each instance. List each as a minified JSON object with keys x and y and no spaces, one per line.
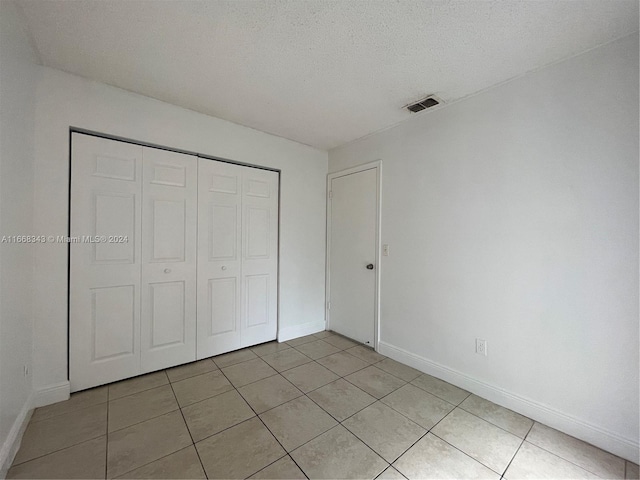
{"x":375,"y":165}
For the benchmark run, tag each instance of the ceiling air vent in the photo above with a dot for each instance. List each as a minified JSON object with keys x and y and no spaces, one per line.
{"x":423,"y":104}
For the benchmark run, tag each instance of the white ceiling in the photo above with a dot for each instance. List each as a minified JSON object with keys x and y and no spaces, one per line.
{"x":321,"y":72}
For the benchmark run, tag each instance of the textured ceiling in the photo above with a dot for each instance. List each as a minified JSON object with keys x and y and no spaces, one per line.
{"x":319,"y":72}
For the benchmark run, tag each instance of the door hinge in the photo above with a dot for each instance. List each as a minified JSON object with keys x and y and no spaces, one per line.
{"x":328,"y":305}
{"x":330,"y":194}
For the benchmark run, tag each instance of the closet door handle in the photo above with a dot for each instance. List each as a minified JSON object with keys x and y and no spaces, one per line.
{"x":224,"y":267}
{"x":167,"y":270}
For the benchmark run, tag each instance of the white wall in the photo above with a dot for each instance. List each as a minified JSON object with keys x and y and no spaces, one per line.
{"x":18,"y":77}
{"x":513,"y":216}
{"x":66,"y":100}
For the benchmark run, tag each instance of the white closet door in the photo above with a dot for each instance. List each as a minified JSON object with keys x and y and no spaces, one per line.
{"x":259,"y":256}
{"x":169,"y":216}
{"x":219,"y":253}
{"x":104,"y":296}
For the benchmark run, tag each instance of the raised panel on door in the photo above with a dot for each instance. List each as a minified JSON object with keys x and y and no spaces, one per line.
{"x":169,"y":225}
{"x":259,"y":256}
{"x":104,"y":294}
{"x":219,"y":246}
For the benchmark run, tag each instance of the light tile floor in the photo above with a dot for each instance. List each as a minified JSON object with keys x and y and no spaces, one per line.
{"x":319,"y":406}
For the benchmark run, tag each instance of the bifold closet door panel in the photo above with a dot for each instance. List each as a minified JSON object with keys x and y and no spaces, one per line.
{"x":219,"y":254}
{"x":169,"y":226}
{"x":259,"y":314}
{"x":105,"y":261}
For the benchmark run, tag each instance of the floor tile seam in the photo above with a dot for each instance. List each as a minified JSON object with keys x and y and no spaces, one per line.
{"x":206,"y":398}
{"x":238,"y":363}
{"x":465,"y":453}
{"x":255,"y":381}
{"x":323,"y":409}
{"x":286,"y":347}
{"x":275,"y":438}
{"x":291,"y":368}
{"x":394,"y":375}
{"x":558,"y":455}
{"x":410,"y":447}
{"x":512,"y":459}
{"x":294,"y":346}
{"x":158,"y":459}
{"x":141,"y":421}
{"x":355,"y":413}
{"x":430,"y":430}
{"x":433,"y":433}
{"x":407,"y":417}
{"x":275,"y":461}
{"x":490,"y":422}
{"x":75,"y":410}
{"x":226,"y":428}
{"x":380,"y":455}
{"x":369,"y":447}
{"x":461,"y":407}
{"x":435,"y":395}
{"x":193,"y":443}
{"x":341,"y":376}
{"x":273,"y":353}
{"x":571,"y":461}
{"x":288,"y":452}
{"x":137,"y":392}
{"x":276,"y":406}
{"x":331,"y":428}
{"x":285,"y":350}
{"x":58,"y":450}
{"x":401,"y":474}
{"x":223,"y":430}
{"x":194,"y":376}
{"x":323,"y":356}
{"x":389,"y":406}
{"x":190,"y":363}
{"x":347,"y":380}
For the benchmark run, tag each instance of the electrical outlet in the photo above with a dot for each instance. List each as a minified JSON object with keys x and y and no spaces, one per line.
{"x":481,"y":347}
{"x":385,"y":250}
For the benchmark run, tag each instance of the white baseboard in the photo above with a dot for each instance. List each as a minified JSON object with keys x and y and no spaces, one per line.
{"x":58,"y":392}
{"x":600,"y":437}
{"x":11,"y":444}
{"x":295,"y":331}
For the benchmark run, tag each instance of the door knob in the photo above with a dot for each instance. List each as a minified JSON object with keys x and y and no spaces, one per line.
{"x":370,"y":266}
{"x":167,"y":270}
{"x":224,"y":268}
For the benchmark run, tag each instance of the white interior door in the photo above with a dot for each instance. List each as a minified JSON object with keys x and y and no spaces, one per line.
{"x":259,"y":311}
{"x":219,"y":257}
{"x":353,"y":254}
{"x":169,"y":225}
{"x":104,"y":296}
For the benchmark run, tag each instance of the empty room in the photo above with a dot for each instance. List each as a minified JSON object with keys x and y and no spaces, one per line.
{"x":331,"y":239}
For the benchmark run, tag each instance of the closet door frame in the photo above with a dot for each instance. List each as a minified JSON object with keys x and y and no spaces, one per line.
{"x":77,"y":130}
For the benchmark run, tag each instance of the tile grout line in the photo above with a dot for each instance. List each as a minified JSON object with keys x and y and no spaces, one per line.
{"x":512,"y":459}
{"x":56,"y":451}
{"x":428,"y":430}
{"x":571,"y":461}
{"x":456,"y":448}
{"x":193,"y":443}
{"x":268,"y":430}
